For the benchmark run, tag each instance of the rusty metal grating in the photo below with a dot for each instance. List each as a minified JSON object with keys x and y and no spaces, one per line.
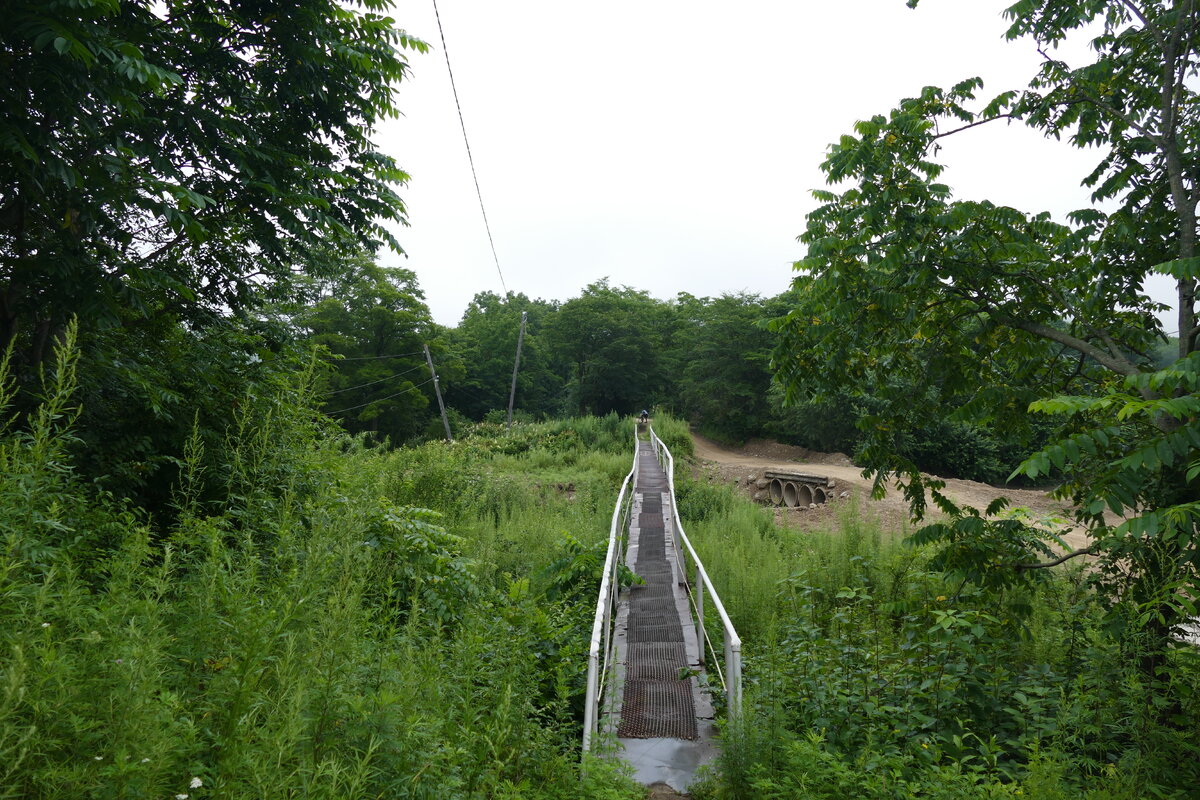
{"x":656,"y":633}
{"x":653,"y":605}
{"x":650,"y":618}
{"x":669,"y":652}
{"x":660,"y":590}
{"x":657,"y":703}
{"x":653,"y":671}
{"x":657,"y":709}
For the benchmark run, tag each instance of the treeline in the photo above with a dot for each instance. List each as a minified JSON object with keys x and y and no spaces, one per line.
{"x":147,"y":385}
{"x":617,"y":349}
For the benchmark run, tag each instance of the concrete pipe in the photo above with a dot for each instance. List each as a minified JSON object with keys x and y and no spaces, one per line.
{"x":818,"y":495}
{"x":796,"y":494}
{"x":775,"y":491}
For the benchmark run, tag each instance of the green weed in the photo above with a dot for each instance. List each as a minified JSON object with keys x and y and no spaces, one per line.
{"x":318,"y":633}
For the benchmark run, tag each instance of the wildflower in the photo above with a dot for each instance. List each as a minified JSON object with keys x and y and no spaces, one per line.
{"x":98,"y":758}
{"x":925,"y":745}
{"x":181,"y":797}
{"x":145,"y":761}
{"x":45,"y":624}
{"x":941,"y":598}
{"x":196,"y":783}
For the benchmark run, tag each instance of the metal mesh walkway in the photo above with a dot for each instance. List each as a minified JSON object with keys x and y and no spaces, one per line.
{"x":658,"y":698}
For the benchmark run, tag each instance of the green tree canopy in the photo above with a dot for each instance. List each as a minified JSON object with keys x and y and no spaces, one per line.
{"x":724,"y":355}
{"x":375,"y":322}
{"x":998,"y":308}
{"x":486,"y":341}
{"x":182,"y":157}
{"x":614,"y":340}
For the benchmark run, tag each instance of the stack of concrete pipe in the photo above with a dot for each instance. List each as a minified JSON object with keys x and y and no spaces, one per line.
{"x":798,"y":490}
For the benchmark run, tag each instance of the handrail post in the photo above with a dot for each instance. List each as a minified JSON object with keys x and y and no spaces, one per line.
{"x":734,"y":667}
{"x":699,"y":584}
{"x":589,"y":711}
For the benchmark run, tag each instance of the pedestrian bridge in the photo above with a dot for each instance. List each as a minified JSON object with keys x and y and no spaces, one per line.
{"x":652,"y":665}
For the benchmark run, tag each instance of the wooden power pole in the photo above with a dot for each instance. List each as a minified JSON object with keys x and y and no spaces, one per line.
{"x":512,"y":393}
{"x":437,"y":391}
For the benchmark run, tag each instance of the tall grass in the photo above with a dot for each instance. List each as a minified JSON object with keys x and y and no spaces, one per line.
{"x":870,"y":675}
{"x":318,"y":635}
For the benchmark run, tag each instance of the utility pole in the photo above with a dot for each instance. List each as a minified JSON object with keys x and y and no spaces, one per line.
{"x":512,"y":394}
{"x":437,"y":391}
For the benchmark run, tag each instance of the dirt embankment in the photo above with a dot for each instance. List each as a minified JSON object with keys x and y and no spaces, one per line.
{"x":737,"y":465}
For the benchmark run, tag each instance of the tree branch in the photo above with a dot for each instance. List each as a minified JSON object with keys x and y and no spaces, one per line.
{"x":1121,"y":115}
{"x":1146,"y":23}
{"x":1078,"y":371}
{"x":141,"y":262}
{"x":1117,"y":364}
{"x":1110,"y":344}
{"x":1087,"y":551}
{"x":1185,"y":45}
{"x":974,"y":124}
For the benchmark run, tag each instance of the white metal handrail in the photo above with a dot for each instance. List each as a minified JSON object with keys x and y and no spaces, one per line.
{"x":732,"y":642}
{"x":606,"y":606}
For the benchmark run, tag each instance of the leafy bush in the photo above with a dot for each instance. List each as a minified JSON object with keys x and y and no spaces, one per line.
{"x":314,"y":634}
{"x":871,"y":672}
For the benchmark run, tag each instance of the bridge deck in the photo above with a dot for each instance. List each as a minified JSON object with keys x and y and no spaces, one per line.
{"x":657,"y":698}
{"x":664,"y":719}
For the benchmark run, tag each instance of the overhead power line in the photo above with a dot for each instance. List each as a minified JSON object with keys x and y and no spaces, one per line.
{"x":372,"y":383}
{"x":371,"y":358}
{"x":380,"y":399}
{"x":467,"y":142}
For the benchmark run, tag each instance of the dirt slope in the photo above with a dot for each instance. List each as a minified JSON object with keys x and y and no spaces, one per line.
{"x":737,"y":465}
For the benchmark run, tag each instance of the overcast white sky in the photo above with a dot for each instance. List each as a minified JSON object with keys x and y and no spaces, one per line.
{"x":672,"y":146}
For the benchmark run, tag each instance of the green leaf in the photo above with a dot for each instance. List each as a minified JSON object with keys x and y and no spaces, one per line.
{"x":1180,"y":268}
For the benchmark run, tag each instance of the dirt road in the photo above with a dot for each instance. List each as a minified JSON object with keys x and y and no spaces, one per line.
{"x":736,"y":465}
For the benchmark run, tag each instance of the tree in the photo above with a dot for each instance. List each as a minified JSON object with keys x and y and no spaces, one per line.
{"x":375,"y":322}
{"x":1003,"y":311}
{"x":486,"y":342}
{"x":184,"y":158}
{"x":615,"y":341}
{"x":724,"y":375}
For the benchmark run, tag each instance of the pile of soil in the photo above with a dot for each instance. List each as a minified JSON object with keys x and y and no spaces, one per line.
{"x":743,"y":466}
{"x":771,"y":450}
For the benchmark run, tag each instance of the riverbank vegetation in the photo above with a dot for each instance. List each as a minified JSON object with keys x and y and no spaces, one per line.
{"x":319,"y":631}
{"x":873,"y":673}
